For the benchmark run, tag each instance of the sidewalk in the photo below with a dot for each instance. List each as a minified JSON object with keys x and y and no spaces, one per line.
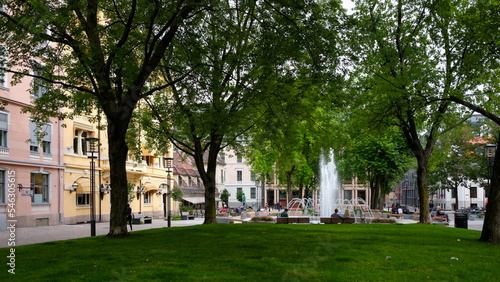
{"x":41,"y":234}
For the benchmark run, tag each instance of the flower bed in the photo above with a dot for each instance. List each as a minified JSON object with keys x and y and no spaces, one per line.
{"x":383,"y":220}
{"x":439,"y":219}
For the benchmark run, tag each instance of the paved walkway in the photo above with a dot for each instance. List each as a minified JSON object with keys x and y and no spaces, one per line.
{"x":41,"y":234}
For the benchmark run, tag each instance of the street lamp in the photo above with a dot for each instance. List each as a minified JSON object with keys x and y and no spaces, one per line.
{"x":140,"y":190}
{"x":490,"y":157}
{"x":170,"y":170}
{"x":92,"y":149}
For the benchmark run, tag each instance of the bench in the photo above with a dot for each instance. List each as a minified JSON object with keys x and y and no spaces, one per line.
{"x":186,"y":216}
{"x":136,"y":219}
{"x":336,"y":220}
{"x":395,"y":215}
{"x":288,"y":220}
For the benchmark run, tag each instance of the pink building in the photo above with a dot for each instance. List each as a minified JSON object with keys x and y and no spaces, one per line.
{"x":35,"y":166}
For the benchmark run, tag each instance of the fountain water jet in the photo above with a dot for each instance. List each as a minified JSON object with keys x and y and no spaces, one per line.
{"x":329,"y":189}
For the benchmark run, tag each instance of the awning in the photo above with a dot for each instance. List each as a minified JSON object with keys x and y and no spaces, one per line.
{"x":83,"y":185}
{"x":194,"y":200}
{"x":197,"y":200}
{"x":148,"y":186}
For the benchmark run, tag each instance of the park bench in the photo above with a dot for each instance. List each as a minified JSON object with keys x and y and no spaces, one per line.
{"x":336,"y":220}
{"x":186,"y":216}
{"x":287,"y":220}
{"x":395,"y":215}
{"x":137,"y":217}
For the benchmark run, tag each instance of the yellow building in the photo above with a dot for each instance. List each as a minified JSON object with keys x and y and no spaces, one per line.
{"x":148,"y":177}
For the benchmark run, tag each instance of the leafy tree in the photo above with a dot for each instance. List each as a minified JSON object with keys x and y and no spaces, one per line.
{"x":93,"y":55}
{"x":458,"y":161}
{"x":482,"y":21}
{"x":231,"y":62}
{"x":239,"y":196}
{"x":177,"y":194}
{"x":411,"y":55}
{"x":224,"y":196}
{"x":382,"y":160}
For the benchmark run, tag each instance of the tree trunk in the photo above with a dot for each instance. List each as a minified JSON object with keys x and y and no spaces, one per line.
{"x":117,"y":127}
{"x":423,"y":189}
{"x":491,"y":226}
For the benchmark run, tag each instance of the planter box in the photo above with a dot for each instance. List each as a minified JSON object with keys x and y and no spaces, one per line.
{"x":294,"y":213}
{"x":223,"y":220}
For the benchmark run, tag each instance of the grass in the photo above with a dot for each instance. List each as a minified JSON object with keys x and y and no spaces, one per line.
{"x":240,"y":252}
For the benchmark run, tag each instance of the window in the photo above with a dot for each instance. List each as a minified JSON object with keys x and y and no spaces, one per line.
{"x":41,"y":183}
{"x":347,"y":194}
{"x":2,"y":186}
{"x":47,"y":138}
{"x":33,"y":138}
{"x":252,"y":176}
{"x":190,"y":179}
{"x":180,"y":180}
{"x":454,"y":193}
{"x":253,"y":193}
{"x":82,"y":199}
{"x":38,"y":85}
{"x":221,"y":176}
{"x":148,"y":197}
{"x":239,"y":159}
{"x":239,"y":175}
{"x":362,"y":194}
{"x":473,"y":192}
{"x":79,"y":142}
{"x":238,"y":190}
{"x":4,"y":129}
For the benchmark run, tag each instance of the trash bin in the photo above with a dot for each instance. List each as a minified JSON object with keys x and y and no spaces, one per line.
{"x":461,"y":221}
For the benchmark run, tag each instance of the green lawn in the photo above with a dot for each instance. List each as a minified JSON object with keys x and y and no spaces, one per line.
{"x":265,"y":252}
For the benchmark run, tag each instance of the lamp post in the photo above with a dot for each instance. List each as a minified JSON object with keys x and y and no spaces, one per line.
{"x":490,"y":157}
{"x":91,"y":149}
{"x":170,"y":169}
{"x":140,"y":190}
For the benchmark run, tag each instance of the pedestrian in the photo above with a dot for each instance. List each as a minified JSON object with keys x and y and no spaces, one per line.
{"x":129,"y":216}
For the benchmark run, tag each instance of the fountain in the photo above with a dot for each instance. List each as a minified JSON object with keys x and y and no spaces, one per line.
{"x":329,"y":188}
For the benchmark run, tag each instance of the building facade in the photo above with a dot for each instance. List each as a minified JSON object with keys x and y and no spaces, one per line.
{"x":31,"y":170}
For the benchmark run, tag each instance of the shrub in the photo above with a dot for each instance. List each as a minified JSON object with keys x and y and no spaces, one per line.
{"x":223,"y":214}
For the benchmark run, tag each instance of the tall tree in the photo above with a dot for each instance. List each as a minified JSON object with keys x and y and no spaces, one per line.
{"x":100,"y":54}
{"x":232,"y":61}
{"x":412,"y":54}
{"x":482,"y":22}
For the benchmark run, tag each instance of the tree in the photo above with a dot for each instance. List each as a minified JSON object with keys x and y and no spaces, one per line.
{"x":457,"y":162}
{"x":382,"y":160}
{"x":412,"y":54}
{"x":231,"y":62}
{"x":93,"y":55}
{"x":224,"y":196}
{"x":482,"y":27}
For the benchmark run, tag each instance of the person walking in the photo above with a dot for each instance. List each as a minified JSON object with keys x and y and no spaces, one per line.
{"x":129,"y":216}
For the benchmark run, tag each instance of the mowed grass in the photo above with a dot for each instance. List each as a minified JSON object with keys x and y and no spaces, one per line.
{"x":265,"y":252}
